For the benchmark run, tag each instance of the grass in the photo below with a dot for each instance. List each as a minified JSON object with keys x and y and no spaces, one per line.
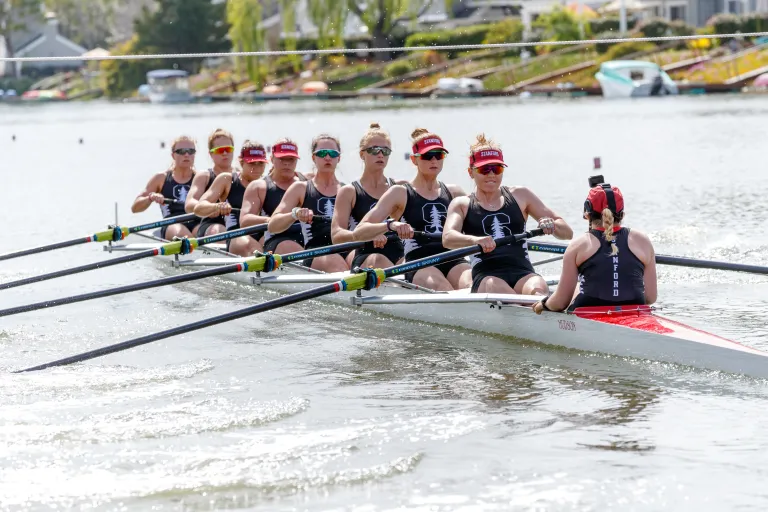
{"x":719,"y":72}
{"x":452,"y":72}
{"x":504,"y":79}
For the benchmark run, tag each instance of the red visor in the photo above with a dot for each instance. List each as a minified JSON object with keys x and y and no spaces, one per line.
{"x":283,"y":150}
{"x":598,"y":199}
{"x":250,"y":155}
{"x":483,"y":157}
{"x":428,"y":144}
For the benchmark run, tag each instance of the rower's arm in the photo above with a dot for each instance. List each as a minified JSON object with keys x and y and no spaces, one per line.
{"x":456,"y":190}
{"x":453,"y":238}
{"x":649,"y":260}
{"x":282,"y":218}
{"x":392,"y":203}
{"x":569,"y":276}
{"x":208,"y":205}
{"x":536,"y":208}
{"x":345,"y":201}
{"x":253,"y":198}
{"x":196,"y":191}
{"x":143,"y":201}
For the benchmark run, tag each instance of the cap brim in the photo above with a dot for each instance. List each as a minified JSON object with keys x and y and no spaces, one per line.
{"x":250,"y":160}
{"x":433,"y":148}
{"x":490,"y":162}
{"x":283,"y":155}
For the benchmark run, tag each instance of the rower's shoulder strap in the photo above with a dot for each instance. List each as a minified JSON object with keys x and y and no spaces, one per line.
{"x":358,"y":188}
{"x":445,"y":190}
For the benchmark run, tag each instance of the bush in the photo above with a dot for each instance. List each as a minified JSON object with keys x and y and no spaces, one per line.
{"x":601,"y":25}
{"x":475,"y":34}
{"x":621,"y":50}
{"x":601,"y":48}
{"x":731,"y":24}
{"x":510,"y":30}
{"x":398,"y":68}
{"x":658,"y":27}
{"x":125,"y":76}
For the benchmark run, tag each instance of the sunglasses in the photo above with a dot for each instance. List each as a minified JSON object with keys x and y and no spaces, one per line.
{"x":185,"y":151}
{"x":322,"y":153}
{"x":222,"y":150}
{"x":432,"y":155}
{"x":375,"y":150}
{"x":490,"y":168}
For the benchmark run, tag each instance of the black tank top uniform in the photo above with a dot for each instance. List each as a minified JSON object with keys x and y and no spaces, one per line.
{"x":209,"y":221}
{"x":364,"y":203}
{"x":611,"y":280}
{"x":427,"y":215}
{"x":172,"y":189}
{"x":509,"y":262}
{"x":235,"y":199}
{"x":318,"y":234}
{"x":272,"y":199}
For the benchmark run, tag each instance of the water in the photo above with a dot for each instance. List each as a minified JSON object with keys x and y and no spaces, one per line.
{"x":314,"y":407}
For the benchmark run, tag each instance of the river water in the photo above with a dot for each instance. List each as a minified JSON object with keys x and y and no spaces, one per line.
{"x":314,"y":407}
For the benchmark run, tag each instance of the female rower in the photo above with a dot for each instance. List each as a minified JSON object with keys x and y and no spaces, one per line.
{"x":221,"y":146}
{"x":614,"y":266}
{"x":227,"y":192}
{"x":305,"y":199}
{"x":492,"y":212}
{"x":173,"y":184}
{"x":358,"y":198}
{"x":421,"y":205}
{"x":263,"y":196}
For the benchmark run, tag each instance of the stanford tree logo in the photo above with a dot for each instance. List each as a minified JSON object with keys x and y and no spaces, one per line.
{"x":497,"y":225}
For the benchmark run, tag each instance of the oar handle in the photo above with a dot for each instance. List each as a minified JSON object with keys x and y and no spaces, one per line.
{"x":168,"y":200}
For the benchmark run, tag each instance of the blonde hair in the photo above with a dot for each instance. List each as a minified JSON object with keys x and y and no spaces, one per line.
{"x":252,"y":144}
{"x":482,"y":143}
{"x":420,"y":134}
{"x":607,"y":218}
{"x":180,"y":138}
{"x":219,"y":132}
{"x":374,"y":130}
{"x":322,"y":137}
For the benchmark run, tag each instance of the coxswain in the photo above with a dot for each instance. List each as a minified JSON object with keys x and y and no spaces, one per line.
{"x":221,"y":147}
{"x":262,"y":198}
{"x":613,"y":265}
{"x":304,"y":200}
{"x":420,"y":205}
{"x":173,"y":184}
{"x":494,"y":211}
{"x":225,"y":196}
{"x":355,"y":200}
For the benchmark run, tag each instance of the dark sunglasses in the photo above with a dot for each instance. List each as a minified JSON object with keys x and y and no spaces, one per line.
{"x":185,"y":151}
{"x":322,"y":153}
{"x":375,"y":150}
{"x":432,"y":155}
{"x":490,"y":168}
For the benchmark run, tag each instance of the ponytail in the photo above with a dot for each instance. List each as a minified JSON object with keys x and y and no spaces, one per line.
{"x":608,"y":234}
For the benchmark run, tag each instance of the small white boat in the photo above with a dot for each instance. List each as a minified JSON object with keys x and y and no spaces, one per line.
{"x":168,"y":86}
{"x":458,"y":85}
{"x":629,"y":331}
{"x":634,"y":78}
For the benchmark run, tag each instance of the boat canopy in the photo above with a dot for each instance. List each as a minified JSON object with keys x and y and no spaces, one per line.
{"x":161,"y":74}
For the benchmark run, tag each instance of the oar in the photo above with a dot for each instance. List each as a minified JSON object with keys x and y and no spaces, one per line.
{"x":182,"y":246}
{"x":113,"y":235}
{"x":676,"y":261}
{"x":257,"y":264}
{"x":367,"y":279}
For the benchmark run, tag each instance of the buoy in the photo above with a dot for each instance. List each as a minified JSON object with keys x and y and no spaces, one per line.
{"x":81,"y":140}
{"x":13,"y":138}
{"x":407,"y":155}
{"x":162,"y":145}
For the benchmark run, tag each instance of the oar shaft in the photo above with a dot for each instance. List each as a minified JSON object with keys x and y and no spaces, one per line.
{"x":163,"y":222}
{"x":82,"y":268}
{"x":45,"y":248}
{"x":662,"y":259}
{"x":212,"y":272}
{"x":200,"y":324}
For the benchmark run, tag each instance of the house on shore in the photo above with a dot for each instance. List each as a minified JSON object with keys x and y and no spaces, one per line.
{"x":40,"y":38}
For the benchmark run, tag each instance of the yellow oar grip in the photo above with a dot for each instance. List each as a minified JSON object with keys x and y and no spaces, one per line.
{"x":261,"y":264}
{"x":361,"y":281}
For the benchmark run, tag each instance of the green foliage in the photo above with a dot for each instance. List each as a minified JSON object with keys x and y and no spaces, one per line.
{"x":510,"y":30}
{"x":558,"y":25}
{"x":20,"y":85}
{"x":329,"y":16}
{"x":183,"y":26}
{"x":13,"y":14}
{"x":474,"y":34}
{"x":121,"y":76}
{"x":288,"y":16}
{"x":244,"y":18}
{"x":612,"y":24}
{"x":86,"y":22}
{"x":621,"y":50}
{"x":731,"y":24}
{"x":658,"y":27}
{"x":399,"y":68}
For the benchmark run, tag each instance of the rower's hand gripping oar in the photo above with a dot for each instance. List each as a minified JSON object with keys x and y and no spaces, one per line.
{"x":261,"y":263}
{"x":180,"y":246}
{"x":112,"y":235}
{"x":367,"y":279}
{"x":661,"y":259}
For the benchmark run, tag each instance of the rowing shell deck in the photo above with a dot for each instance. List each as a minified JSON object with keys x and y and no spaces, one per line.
{"x":631,"y":331}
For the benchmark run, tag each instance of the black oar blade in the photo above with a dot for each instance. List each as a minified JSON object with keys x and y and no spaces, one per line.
{"x":182,"y":329}
{"x":77,"y":270}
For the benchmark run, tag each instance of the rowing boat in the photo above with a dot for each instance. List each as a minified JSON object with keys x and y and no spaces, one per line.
{"x":630,"y":331}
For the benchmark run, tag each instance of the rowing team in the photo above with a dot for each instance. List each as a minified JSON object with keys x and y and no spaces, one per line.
{"x":610,"y":264}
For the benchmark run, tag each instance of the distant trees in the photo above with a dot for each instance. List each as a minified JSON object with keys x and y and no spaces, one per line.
{"x":247,"y":35}
{"x":14,"y":15}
